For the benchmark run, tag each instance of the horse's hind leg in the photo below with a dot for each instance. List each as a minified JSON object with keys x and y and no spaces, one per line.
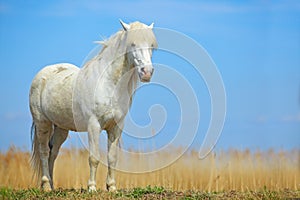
{"x":57,"y":139}
{"x":44,"y":131}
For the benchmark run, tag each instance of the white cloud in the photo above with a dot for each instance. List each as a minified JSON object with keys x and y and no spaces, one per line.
{"x":284,"y":118}
{"x":4,"y":8}
{"x":262,"y":119}
{"x":137,"y":8}
{"x":161,"y":8}
{"x":189,"y":16}
{"x":10,"y":116}
{"x":291,"y":118}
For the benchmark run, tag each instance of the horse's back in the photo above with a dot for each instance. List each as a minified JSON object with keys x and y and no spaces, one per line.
{"x":51,"y":95}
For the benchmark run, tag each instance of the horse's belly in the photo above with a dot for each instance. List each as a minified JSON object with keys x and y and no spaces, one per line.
{"x":57,"y":96}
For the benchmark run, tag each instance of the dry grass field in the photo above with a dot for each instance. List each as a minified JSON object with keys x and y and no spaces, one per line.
{"x":233,"y":170}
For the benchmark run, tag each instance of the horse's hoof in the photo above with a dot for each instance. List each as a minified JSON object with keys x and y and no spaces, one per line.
{"x":92,"y":188}
{"x":112,"y":188}
{"x":46,"y":186}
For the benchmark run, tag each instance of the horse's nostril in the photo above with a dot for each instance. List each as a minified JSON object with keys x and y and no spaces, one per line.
{"x":143,"y":69}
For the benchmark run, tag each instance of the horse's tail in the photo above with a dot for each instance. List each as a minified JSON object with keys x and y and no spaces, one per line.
{"x":35,"y":156}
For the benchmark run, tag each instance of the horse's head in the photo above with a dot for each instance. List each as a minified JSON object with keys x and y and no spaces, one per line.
{"x":140,"y":42}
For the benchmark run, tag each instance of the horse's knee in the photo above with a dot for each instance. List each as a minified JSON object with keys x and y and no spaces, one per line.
{"x":112,"y":158}
{"x":93,"y":161}
{"x":44,"y":151}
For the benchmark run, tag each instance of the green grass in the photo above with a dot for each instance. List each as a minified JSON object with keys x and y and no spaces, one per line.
{"x":144,"y":193}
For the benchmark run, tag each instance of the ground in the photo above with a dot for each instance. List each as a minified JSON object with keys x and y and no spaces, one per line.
{"x":145,"y":193}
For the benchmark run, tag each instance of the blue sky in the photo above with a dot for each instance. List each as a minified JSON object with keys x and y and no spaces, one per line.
{"x":256,"y":46}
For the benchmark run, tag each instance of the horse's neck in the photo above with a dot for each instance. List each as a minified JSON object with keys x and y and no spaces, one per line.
{"x":112,"y":68}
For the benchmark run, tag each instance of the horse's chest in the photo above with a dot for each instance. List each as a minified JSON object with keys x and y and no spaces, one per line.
{"x":110,"y":113}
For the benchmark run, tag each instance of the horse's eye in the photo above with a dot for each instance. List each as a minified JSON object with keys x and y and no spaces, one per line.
{"x":133,"y":44}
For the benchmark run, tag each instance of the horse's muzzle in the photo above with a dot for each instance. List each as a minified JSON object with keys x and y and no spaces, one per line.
{"x":146,"y":77}
{"x":145,"y":74}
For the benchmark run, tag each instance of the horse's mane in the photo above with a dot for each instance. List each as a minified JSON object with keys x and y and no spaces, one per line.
{"x":114,"y":47}
{"x":138,"y":33}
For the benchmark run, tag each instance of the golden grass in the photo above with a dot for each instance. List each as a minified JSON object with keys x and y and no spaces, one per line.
{"x":221,"y":171}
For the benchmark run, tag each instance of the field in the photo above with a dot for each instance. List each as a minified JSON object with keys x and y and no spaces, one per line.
{"x":228,"y":174}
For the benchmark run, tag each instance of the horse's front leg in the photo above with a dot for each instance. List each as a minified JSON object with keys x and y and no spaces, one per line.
{"x":112,"y":149}
{"x":94,"y":153}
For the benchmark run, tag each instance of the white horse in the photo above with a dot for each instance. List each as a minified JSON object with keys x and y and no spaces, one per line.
{"x":94,"y":98}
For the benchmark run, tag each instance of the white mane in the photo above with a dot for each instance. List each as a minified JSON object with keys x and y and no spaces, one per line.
{"x":114,"y":50}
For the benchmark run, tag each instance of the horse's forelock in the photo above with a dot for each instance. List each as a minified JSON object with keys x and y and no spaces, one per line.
{"x":140,"y":36}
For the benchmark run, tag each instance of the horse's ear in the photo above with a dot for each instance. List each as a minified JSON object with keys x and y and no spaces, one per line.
{"x":124,"y":25}
{"x":151,"y":26}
